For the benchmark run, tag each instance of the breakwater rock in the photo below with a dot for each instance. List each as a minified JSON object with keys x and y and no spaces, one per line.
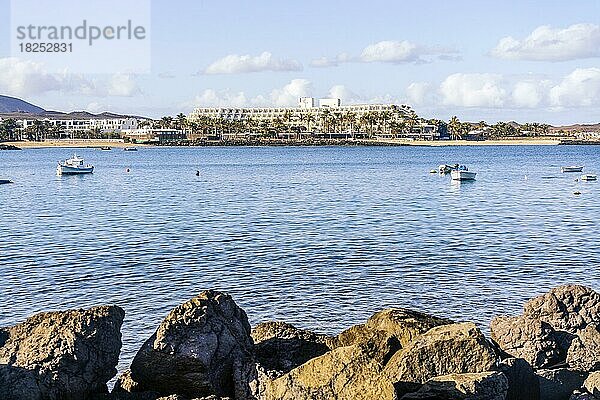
{"x":9,"y":147}
{"x":206,"y":349}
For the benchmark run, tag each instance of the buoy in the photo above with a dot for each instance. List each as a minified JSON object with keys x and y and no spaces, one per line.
{"x":525,"y":177}
{"x":576,"y":180}
{"x":197,"y":173}
{"x":127,"y":170}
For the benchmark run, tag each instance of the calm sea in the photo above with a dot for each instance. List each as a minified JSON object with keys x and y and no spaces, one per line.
{"x":319,"y":237}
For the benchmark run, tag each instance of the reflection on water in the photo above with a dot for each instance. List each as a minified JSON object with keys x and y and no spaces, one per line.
{"x":319,"y":237}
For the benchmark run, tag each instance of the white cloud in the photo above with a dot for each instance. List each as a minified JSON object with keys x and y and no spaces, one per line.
{"x":225,"y":98}
{"x":581,"y":88}
{"x":418,"y":92}
{"x":289,"y":94}
{"x":236,"y":64}
{"x":331,"y":62}
{"x":549,"y":44}
{"x":390,"y":51}
{"x":473,"y":90}
{"x":122,"y":85}
{"x":346,"y":95}
{"x":25,"y":78}
{"x":528,"y":94}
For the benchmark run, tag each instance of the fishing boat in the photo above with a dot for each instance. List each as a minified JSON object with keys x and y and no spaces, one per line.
{"x":129,"y":149}
{"x":446,"y":168}
{"x":571,"y":168}
{"x":589,"y":177}
{"x":74,"y":166}
{"x":463,"y":175}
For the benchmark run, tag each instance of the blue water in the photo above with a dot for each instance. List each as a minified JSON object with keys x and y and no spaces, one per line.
{"x":319,"y":237}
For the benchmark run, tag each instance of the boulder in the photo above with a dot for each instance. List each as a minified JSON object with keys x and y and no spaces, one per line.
{"x":404,"y":324}
{"x":584,"y":352}
{"x":592,"y":383}
{"x":523,"y":383}
{"x":559,"y":384}
{"x":474,"y":386}
{"x":443,"y":350}
{"x":195,"y":350}
{"x":349,"y":372}
{"x":60,"y":355}
{"x":280,"y":347}
{"x":527,"y":338}
{"x":568,"y":308}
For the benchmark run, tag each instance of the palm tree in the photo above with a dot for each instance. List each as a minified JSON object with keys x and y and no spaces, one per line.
{"x":181,"y":121}
{"x":350,"y":119}
{"x":455,"y":126}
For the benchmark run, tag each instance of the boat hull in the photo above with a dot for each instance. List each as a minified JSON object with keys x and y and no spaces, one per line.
{"x":589,"y":178}
{"x":66,"y":170}
{"x":3,"y":181}
{"x":571,"y":169}
{"x":463,"y":175}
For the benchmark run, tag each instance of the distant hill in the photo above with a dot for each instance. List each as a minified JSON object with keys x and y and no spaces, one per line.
{"x":13,"y":105}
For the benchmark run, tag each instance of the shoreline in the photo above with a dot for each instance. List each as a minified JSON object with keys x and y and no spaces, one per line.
{"x":287,"y":142}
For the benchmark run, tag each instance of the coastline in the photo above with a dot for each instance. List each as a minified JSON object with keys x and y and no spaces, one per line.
{"x":271,"y":142}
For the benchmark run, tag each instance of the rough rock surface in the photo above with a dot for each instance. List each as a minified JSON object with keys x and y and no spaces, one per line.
{"x":280,"y":347}
{"x":559,"y":384}
{"x":60,"y":355}
{"x":592,"y":383}
{"x":404,"y":324}
{"x":350,"y":372}
{"x":527,"y":338}
{"x":474,"y":386}
{"x":523,"y":383}
{"x":567,"y":308}
{"x":584,"y":352}
{"x":194,"y":349}
{"x":447,"y":349}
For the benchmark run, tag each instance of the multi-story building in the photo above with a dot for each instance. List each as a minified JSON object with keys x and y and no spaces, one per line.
{"x":69,"y":126}
{"x":318,"y":119}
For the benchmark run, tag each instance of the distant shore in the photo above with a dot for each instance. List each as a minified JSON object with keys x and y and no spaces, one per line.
{"x":291,"y":142}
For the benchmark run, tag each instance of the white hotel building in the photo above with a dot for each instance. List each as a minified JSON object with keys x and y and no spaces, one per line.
{"x":306,"y":106}
{"x":68,"y":126}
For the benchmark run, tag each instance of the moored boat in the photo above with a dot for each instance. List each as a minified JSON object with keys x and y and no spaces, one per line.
{"x":106,"y":148}
{"x":74,"y":166}
{"x":129,"y":149}
{"x":3,"y":181}
{"x":571,"y":168}
{"x":463,"y":175}
{"x":589,"y":177}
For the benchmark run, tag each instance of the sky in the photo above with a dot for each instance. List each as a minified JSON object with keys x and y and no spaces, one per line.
{"x":479,"y":60}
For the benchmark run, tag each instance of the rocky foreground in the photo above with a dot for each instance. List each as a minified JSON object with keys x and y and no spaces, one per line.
{"x":206,"y":349}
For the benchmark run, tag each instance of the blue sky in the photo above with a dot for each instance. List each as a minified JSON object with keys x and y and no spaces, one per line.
{"x":512,"y":60}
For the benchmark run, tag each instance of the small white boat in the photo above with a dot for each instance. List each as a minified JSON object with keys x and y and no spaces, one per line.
{"x":74,"y":166}
{"x":571,"y":168}
{"x":589,"y":177}
{"x":129,"y":149}
{"x":463,"y":175}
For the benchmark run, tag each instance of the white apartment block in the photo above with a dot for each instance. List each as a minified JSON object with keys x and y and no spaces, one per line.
{"x":108,"y":125}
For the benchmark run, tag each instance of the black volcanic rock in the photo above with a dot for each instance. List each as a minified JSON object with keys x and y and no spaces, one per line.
{"x":60,"y":355}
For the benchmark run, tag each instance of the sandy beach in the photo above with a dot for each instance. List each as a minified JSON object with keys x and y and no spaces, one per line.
{"x":403,"y":142}
{"x":72,"y":144}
